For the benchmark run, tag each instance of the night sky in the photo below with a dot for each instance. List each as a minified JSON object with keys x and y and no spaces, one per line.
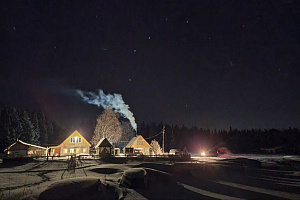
{"x":211,"y":64}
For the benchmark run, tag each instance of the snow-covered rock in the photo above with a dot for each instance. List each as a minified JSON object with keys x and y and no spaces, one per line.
{"x":134,"y":178}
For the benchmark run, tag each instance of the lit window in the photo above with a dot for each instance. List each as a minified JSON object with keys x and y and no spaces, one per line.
{"x":78,"y":150}
{"x":71,"y":150}
{"x":75,"y":140}
{"x":84,"y":150}
{"x":65,"y":150}
{"x":140,"y":142}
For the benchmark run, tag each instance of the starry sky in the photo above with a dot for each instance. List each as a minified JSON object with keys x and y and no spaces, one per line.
{"x":211,"y":64}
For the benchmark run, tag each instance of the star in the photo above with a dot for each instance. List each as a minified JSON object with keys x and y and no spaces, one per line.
{"x":149,"y":37}
{"x":129,"y":80}
{"x":14,"y":28}
{"x":134,"y":50}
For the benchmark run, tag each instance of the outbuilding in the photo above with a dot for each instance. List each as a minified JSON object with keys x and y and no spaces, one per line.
{"x":22,"y":149}
{"x":104,"y":148}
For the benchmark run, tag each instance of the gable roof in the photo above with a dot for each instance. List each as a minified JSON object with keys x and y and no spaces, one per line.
{"x":130,"y":143}
{"x":75,"y":133}
{"x":24,"y":143}
{"x":135,"y":139}
{"x":103,"y":143}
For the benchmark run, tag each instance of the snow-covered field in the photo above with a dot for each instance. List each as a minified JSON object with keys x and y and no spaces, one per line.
{"x":234,"y":177}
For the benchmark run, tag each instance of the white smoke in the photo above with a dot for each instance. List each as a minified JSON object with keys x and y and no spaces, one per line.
{"x":114,"y":101}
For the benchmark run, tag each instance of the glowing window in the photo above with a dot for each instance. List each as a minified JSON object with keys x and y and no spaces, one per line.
{"x":78,"y":150}
{"x":140,"y":142}
{"x":65,"y":150}
{"x":71,"y":150}
{"x":84,"y":150}
{"x":75,"y":140}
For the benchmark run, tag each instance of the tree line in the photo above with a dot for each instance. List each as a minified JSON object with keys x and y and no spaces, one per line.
{"x":36,"y":128}
{"x":238,"y":141}
{"x":29,"y":126}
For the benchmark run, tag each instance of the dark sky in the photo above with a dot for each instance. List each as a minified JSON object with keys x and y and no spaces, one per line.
{"x":211,"y":64}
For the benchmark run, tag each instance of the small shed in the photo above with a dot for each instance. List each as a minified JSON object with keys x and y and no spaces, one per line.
{"x":175,"y":152}
{"x":104,"y":148}
{"x":137,"y":145}
{"x":21,"y":149}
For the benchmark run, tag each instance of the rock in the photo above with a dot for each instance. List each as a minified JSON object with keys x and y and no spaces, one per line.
{"x":134,"y":178}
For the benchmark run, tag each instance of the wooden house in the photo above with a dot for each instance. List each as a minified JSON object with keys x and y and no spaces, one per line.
{"x":74,"y":144}
{"x":136,"y":146}
{"x":104,"y":148}
{"x":22,"y":149}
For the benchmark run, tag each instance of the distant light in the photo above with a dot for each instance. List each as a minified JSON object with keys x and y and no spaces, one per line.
{"x":202,"y":153}
{"x":149,"y":37}
{"x":134,"y":50}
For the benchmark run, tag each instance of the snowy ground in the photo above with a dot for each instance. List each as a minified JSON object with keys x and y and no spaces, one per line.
{"x":234,"y":177}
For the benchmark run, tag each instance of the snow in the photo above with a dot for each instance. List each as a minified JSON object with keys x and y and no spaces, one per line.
{"x":236,"y":177}
{"x":79,"y":188}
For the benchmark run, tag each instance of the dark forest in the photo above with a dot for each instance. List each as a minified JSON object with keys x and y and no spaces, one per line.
{"x":36,"y":128}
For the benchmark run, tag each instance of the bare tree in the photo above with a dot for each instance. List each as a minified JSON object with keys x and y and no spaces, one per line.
{"x":107,"y":126}
{"x":155,"y":148}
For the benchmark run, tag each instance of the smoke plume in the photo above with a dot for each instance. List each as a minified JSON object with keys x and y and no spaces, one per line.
{"x":114,"y":101}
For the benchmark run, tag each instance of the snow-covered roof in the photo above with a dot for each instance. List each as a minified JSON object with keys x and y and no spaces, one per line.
{"x":130,"y":143}
{"x":102,"y":142}
{"x":24,"y":143}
